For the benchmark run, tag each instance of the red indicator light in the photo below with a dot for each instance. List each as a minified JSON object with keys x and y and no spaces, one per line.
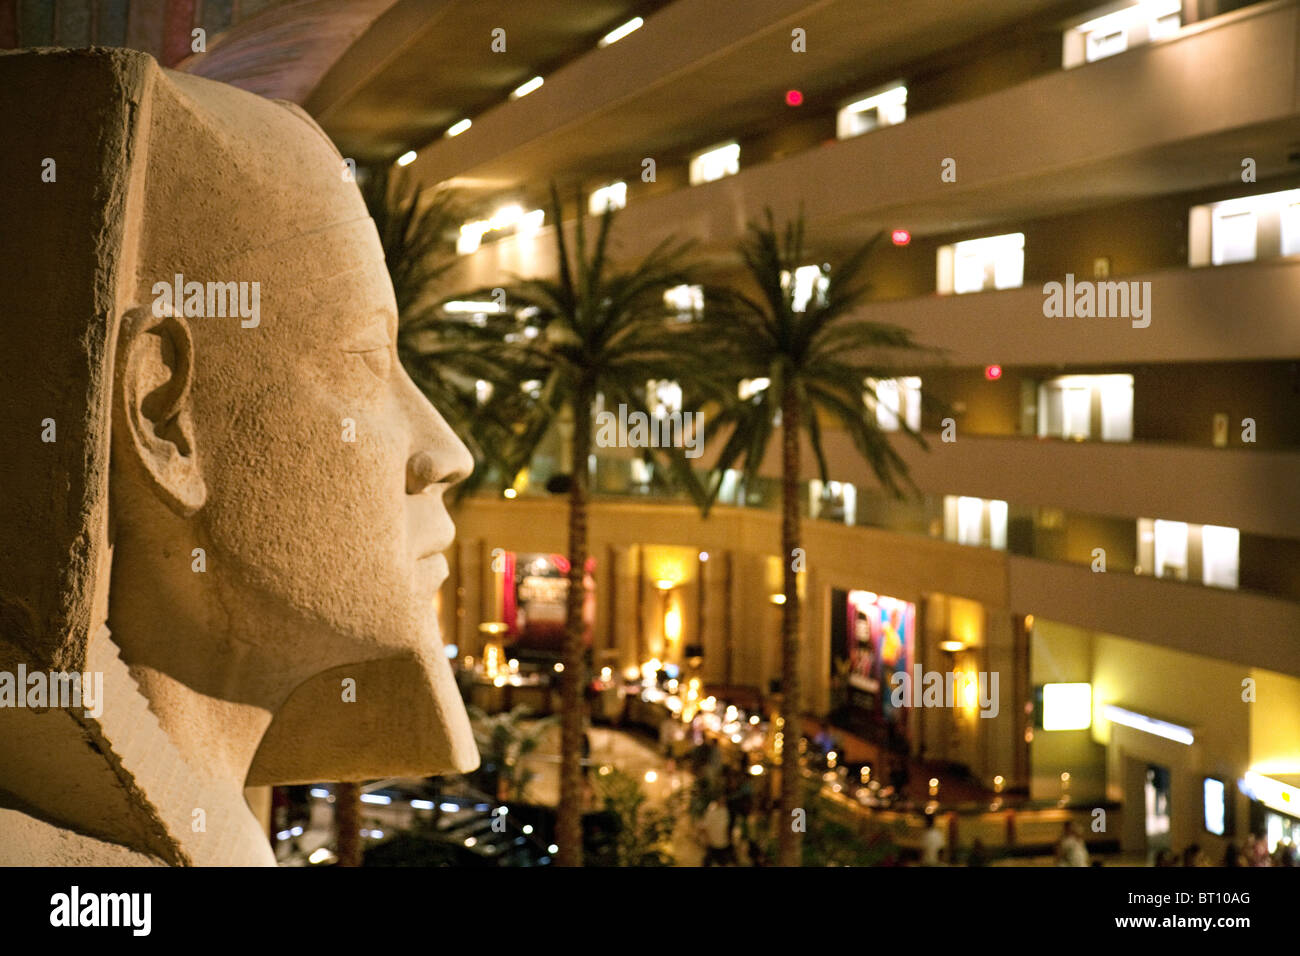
{"x":793,"y":98}
{"x":993,"y":372}
{"x":901,"y":237}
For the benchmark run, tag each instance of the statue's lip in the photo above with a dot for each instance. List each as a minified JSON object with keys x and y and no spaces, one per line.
{"x":437,"y":544}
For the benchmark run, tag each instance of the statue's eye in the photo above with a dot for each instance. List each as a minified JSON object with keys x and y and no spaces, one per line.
{"x":379,"y":360}
{"x":375,"y":349}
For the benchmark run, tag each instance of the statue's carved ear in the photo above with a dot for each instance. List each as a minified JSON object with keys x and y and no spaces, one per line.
{"x":156,"y":371}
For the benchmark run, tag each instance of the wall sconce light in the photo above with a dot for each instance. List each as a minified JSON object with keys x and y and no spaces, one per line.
{"x":673,"y":623}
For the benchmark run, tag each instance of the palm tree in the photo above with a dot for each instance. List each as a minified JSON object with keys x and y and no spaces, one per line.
{"x":591,"y":331}
{"x":817,"y":359}
{"x":347,"y":823}
{"x":417,"y":230}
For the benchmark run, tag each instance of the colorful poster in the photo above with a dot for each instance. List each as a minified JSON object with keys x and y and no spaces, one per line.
{"x":881,"y":636}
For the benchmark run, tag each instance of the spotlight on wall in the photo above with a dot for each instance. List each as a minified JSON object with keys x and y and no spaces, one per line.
{"x":673,"y":624}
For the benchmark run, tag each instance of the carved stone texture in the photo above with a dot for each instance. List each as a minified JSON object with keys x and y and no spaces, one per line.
{"x":223,"y":526}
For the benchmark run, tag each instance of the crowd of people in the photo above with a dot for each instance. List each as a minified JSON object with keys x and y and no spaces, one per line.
{"x":733,"y":807}
{"x":1251,"y":851}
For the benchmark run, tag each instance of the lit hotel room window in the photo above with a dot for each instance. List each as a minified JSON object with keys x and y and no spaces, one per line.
{"x":994,"y":262}
{"x":715,"y":163}
{"x":1245,"y":229}
{"x":1086,"y":407}
{"x":808,"y":280}
{"x":893,"y":398}
{"x":663,"y":396}
{"x":1169,"y":549}
{"x":833,"y":501}
{"x":1117,"y":27}
{"x":507,"y":219}
{"x":1234,"y":236}
{"x":612,"y":196}
{"x":685,"y":301}
{"x":884,"y":106}
{"x":980,"y":522}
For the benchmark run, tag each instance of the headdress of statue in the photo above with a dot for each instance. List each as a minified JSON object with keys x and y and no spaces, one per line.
{"x":218,"y":488}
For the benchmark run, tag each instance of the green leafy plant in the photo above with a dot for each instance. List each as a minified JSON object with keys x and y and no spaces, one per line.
{"x":504,"y":740}
{"x":644,"y":830}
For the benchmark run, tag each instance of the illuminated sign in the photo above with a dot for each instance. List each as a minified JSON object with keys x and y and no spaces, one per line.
{"x":1067,"y":706}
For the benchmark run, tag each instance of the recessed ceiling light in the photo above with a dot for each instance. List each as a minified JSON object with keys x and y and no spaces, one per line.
{"x":525,"y":88}
{"x":457,"y":128}
{"x":406,"y":158}
{"x":616,"y":34}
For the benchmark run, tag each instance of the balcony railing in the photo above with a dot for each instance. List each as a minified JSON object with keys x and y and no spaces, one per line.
{"x":1047,"y":534}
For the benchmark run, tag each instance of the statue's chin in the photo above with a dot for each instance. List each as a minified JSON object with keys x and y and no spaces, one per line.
{"x":399,"y":716}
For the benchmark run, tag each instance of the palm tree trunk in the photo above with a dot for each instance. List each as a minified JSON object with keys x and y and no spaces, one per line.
{"x":569,"y":817}
{"x":347,"y":823}
{"x":791,"y":779}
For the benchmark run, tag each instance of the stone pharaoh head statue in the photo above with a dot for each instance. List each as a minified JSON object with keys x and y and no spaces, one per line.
{"x":220,"y":490}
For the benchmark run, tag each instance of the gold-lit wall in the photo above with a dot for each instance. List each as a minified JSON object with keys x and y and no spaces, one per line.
{"x":655,"y":597}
